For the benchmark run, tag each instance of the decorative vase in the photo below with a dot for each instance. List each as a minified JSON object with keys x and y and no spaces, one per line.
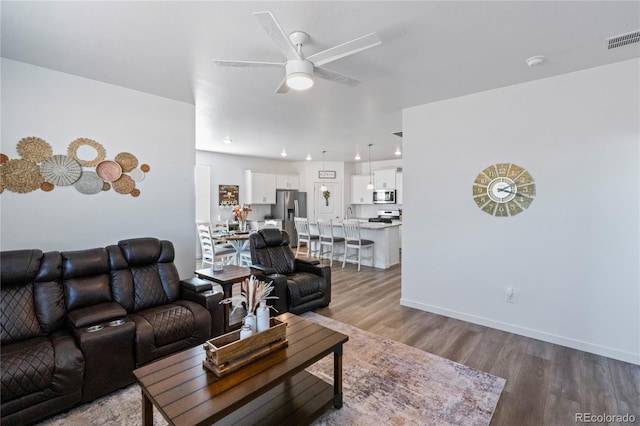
{"x":242,"y":225}
{"x":245,"y":331}
{"x":262,"y":314}
{"x":250,"y":320}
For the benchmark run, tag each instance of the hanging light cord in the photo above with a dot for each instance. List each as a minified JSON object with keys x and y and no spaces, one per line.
{"x":370,"y":186}
{"x":323,"y":187}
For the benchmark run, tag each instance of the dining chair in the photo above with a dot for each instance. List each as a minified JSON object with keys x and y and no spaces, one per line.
{"x":212,"y":252}
{"x":327,"y":240}
{"x":305,"y":236}
{"x":245,"y":256}
{"x":353,"y":241}
{"x":270,"y":224}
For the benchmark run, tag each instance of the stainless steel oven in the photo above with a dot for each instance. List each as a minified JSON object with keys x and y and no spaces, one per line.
{"x":384,"y":196}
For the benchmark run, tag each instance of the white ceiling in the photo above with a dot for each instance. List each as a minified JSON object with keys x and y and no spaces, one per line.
{"x":430,"y":51}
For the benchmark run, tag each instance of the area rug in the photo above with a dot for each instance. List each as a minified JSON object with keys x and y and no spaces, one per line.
{"x":384,"y":382}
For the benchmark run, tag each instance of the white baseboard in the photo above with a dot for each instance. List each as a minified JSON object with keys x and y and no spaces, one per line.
{"x":633,"y":358}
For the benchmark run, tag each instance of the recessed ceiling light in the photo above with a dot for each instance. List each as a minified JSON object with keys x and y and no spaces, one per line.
{"x":308,"y":157}
{"x":283,"y":153}
{"x":226,"y":140}
{"x":357,"y":157}
{"x":534,"y":61}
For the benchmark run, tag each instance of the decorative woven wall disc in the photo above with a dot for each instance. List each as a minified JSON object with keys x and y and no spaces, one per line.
{"x":46,"y":186}
{"x":137,"y":175}
{"x":20,"y":175}
{"x":109,"y":170}
{"x":89,"y":183}
{"x":101,"y":153}
{"x":124,"y":185}
{"x":34,"y":149}
{"x":60,"y":170}
{"x":127,"y":161}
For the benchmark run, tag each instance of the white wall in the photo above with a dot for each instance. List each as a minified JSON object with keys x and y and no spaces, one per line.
{"x":573,"y":257}
{"x":59,"y":108}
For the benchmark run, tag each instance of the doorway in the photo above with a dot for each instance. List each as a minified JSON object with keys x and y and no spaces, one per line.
{"x":327,"y":206}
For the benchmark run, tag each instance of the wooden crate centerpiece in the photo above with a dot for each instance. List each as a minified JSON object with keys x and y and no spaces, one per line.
{"x":228,"y":352}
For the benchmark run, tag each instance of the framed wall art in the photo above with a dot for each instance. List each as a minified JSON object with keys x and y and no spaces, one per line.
{"x":228,"y":195}
{"x":326,"y":174}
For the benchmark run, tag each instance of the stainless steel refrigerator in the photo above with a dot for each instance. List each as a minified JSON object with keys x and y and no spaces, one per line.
{"x":290,"y":204}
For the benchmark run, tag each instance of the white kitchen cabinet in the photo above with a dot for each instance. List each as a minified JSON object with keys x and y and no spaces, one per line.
{"x":287,"y":182}
{"x":260,"y":187}
{"x":384,"y":179}
{"x":359,"y":192}
{"x":399,"y":188}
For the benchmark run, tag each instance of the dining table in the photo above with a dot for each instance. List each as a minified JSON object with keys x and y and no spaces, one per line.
{"x":238,"y":240}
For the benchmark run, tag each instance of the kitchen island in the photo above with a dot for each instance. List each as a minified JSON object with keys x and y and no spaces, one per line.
{"x":386,"y":238}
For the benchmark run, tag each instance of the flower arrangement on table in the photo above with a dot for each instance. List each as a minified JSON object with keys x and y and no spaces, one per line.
{"x":252,"y":292}
{"x":241,"y":213}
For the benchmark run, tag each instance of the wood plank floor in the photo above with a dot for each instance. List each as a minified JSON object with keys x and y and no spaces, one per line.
{"x":546,"y":383}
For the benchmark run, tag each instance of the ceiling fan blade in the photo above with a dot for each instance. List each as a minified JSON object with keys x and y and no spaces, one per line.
{"x":345,"y":49}
{"x":248,"y":64}
{"x":277,"y":34}
{"x":334,"y":76}
{"x":283,"y":88}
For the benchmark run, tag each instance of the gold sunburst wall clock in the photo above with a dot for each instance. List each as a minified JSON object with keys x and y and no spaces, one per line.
{"x":504,"y":189}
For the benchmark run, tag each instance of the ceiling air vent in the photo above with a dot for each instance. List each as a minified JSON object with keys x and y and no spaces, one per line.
{"x":624,"y":39}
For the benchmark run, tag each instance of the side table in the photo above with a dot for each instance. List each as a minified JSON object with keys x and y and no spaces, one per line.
{"x":230,"y":275}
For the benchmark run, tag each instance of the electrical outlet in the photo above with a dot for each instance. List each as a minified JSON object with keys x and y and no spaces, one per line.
{"x":510,"y":295}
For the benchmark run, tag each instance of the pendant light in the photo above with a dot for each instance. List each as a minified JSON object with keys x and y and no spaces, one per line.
{"x":323,"y":187}
{"x":370,"y":185}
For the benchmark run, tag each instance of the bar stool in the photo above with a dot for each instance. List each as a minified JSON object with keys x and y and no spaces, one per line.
{"x":305,"y":236}
{"x":326,"y":239}
{"x":352,"y":238}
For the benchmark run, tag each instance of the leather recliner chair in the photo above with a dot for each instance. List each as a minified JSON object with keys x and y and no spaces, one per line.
{"x":145,"y":282}
{"x":42,"y":368}
{"x":108,"y":354}
{"x":301,"y":285}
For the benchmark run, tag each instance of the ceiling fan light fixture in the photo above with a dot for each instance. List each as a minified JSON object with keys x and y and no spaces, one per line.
{"x":299,"y":81}
{"x":299,"y":74}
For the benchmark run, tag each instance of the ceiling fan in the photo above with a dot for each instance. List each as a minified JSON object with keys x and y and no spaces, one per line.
{"x":300,"y":69}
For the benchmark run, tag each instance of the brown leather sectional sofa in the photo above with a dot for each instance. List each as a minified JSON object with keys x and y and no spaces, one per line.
{"x":76,"y":324}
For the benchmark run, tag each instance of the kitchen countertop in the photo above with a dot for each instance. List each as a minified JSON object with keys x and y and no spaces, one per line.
{"x":385,"y":236}
{"x":365,"y":224}
{"x":378,"y":225}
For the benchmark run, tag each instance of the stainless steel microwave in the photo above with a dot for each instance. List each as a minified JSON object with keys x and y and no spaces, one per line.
{"x":384,"y":196}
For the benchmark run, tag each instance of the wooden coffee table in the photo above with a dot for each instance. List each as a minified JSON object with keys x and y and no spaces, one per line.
{"x":274,"y":389}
